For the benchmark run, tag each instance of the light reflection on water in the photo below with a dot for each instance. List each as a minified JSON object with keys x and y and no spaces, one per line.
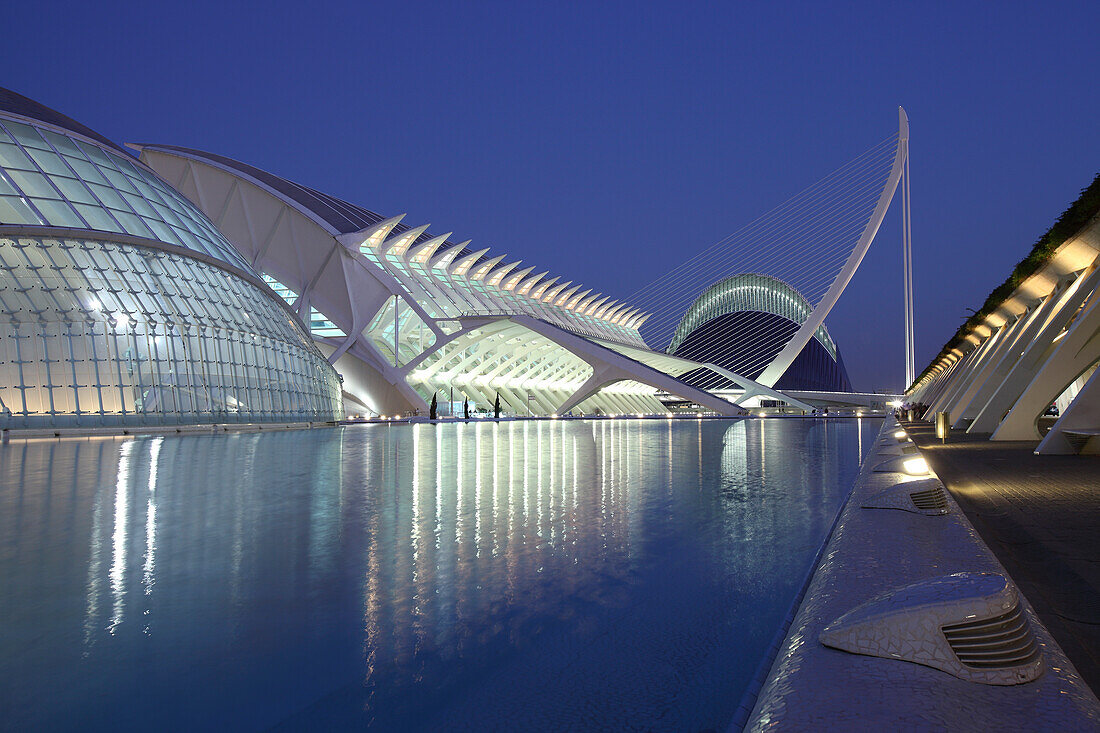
{"x":528,"y":574}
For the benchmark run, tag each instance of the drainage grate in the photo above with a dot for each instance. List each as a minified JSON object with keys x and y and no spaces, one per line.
{"x":925,"y":496}
{"x":1001,"y":642}
{"x":930,"y":500}
{"x":970,"y":625}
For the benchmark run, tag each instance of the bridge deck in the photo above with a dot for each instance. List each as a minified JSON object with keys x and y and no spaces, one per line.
{"x":1040,"y":515}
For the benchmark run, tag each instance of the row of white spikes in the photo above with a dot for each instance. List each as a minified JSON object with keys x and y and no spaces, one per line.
{"x":433,"y":254}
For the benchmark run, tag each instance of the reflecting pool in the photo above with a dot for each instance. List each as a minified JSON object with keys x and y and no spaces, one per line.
{"x":517,"y":575}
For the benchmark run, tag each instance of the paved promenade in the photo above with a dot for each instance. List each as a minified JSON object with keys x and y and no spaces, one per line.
{"x":876,"y":555}
{"x":1040,"y":515}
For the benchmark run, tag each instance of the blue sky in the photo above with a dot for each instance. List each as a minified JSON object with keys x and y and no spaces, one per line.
{"x":608,"y":141}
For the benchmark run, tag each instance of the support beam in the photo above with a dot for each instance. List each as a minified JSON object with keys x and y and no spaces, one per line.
{"x":755,"y":389}
{"x":1078,"y":350}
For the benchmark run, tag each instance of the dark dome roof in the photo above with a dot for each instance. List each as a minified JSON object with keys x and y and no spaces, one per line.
{"x":17,"y":104}
{"x":745,"y":342}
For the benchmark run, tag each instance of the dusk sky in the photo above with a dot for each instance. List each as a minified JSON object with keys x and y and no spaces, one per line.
{"x":608,"y":142}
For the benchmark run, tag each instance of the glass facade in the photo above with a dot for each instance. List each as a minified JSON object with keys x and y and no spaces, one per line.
{"x":48,"y":178}
{"x":319,"y":324}
{"x":100,"y":333}
{"x":443,"y":293}
{"x":399,"y":333}
{"x":106,"y":326}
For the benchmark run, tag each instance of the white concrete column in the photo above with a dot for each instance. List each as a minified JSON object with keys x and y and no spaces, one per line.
{"x":1078,"y":350}
{"x":981,"y":359}
{"x":1007,"y":337}
{"x":959,"y":379}
{"x":1083,"y":417}
{"x":1033,"y":322}
{"x":1036,"y":353}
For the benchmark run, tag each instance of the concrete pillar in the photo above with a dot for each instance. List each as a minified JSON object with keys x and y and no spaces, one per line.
{"x":1081,"y":418}
{"x":1075,"y":352}
{"x":1035,"y":354}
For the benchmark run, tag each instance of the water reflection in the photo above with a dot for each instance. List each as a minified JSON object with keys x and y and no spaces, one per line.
{"x":426,"y":576}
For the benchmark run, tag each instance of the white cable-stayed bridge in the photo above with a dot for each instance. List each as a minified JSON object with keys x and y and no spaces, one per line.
{"x":781,"y":275}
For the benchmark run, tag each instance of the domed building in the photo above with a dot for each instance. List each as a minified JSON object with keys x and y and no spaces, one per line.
{"x":741,"y":324}
{"x":121,"y":304}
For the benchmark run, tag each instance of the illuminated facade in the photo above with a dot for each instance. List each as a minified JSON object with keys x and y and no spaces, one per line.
{"x":122,"y":305}
{"x":405,"y":315}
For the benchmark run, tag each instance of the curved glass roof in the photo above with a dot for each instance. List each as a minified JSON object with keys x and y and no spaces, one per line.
{"x":749,"y":292}
{"x":340,"y":216}
{"x":56,"y":172}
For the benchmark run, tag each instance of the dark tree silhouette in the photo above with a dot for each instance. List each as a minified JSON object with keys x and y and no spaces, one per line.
{"x":466,"y":408}
{"x":433,"y":410}
{"x":496,"y":406}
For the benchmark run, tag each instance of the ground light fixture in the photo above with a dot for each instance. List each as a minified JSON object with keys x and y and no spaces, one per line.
{"x":915,"y":466}
{"x":900,"y":435}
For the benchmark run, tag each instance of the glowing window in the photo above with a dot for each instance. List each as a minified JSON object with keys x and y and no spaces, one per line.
{"x":374,"y":240}
{"x":281,"y":290}
{"x":402,"y":245}
{"x":320,"y":325}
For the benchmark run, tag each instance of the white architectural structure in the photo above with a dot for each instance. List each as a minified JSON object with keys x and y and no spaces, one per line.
{"x":812,"y":243}
{"x":816,"y":318}
{"x":404,"y":315}
{"x":1037,"y":349}
{"x":407,"y":317}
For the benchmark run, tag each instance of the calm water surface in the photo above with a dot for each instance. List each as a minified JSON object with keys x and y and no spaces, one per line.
{"x":523,"y":575}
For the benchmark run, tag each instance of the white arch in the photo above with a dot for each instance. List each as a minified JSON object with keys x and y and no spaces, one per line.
{"x":786,"y":357}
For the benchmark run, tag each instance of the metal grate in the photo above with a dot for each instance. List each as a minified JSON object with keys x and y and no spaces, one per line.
{"x":932,"y":500}
{"x":1001,"y":642}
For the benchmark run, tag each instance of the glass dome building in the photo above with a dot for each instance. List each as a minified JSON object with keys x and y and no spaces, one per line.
{"x":122,"y":305}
